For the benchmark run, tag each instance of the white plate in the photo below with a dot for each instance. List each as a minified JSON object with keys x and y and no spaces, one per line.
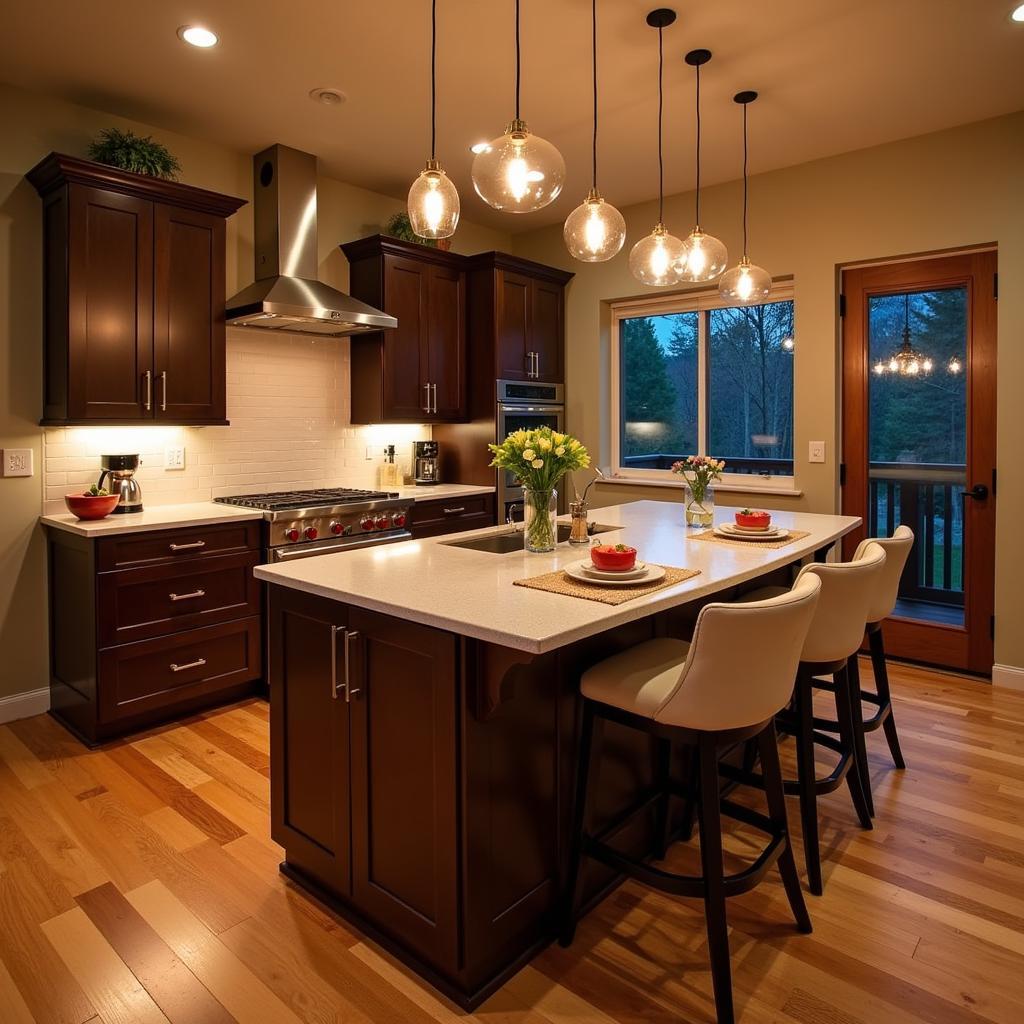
{"x":651,"y":574}
{"x":727,"y":530}
{"x":751,"y":529}
{"x":614,"y":574}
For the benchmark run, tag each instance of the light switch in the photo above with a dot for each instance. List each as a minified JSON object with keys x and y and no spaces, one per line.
{"x":174,"y":458}
{"x":17,"y":462}
{"x":816,"y":451}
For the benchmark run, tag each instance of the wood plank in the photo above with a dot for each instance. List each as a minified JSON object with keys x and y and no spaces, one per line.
{"x":175,"y":830}
{"x":12,"y":1002}
{"x":30,"y":771}
{"x":172,"y":986}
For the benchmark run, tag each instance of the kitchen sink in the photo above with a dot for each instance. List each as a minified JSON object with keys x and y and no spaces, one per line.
{"x":506,"y":543}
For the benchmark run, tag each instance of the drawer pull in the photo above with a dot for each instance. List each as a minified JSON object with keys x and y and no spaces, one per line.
{"x":198,"y":663}
{"x":186,"y":597}
{"x":193,"y":546}
{"x":454,"y":511}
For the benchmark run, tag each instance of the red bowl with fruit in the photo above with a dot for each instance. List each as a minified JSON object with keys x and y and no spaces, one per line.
{"x":613,"y":557}
{"x":91,"y":506}
{"x":753,"y":519}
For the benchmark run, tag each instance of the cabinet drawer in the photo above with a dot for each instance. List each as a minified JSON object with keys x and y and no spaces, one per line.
{"x":150,"y":601}
{"x":163,"y":546}
{"x":141,"y":677}
{"x":451,"y":514}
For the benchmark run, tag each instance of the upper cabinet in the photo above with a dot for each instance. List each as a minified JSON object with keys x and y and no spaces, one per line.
{"x":134,"y":296}
{"x":517,"y":308}
{"x":415,"y":373}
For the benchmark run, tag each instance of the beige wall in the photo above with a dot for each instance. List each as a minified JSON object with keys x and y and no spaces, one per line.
{"x":31,"y":126}
{"x":955,"y":188}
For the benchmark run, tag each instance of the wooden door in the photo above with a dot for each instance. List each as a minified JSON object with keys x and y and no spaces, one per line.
{"x":110,"y":306}
{"x":404,"y":825}
{"x":405,"y":348}
{"x":512,"y":325}
{"x":309,"y":736}
{"x":446,"y":342}
{"x":546,"y":331}
{"x":188,"y":316}
{"x":920,"y":448}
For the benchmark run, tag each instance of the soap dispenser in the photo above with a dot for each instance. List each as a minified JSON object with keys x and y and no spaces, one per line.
{"x":390,"y":472}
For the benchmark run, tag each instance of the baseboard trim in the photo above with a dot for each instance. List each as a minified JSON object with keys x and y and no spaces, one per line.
{"x":24,"y":705}
{"x":1009,"y":677}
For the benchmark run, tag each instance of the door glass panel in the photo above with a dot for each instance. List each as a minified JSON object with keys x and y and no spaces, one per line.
{"x":917,"y":441}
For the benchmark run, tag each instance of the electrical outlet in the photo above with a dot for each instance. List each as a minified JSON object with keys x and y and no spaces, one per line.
{"x":17,"y":462}
{"x":376,"y":451}
{"x":174,"y":458}
{"x":816,"y":451}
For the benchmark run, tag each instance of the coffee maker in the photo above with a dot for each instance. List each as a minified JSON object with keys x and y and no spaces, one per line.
{"x":426,"y":465}
{"x":121,"y":469}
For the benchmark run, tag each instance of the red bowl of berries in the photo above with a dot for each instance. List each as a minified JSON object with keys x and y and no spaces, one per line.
{"x":613,"y":557}
{"x":753,"y":519}
{"x":91,"y":506}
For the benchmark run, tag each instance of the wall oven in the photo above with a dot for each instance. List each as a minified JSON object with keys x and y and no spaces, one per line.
{"x":525,"y":406}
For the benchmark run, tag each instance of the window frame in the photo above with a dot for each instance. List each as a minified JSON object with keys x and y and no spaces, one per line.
{"x":699,"y":302}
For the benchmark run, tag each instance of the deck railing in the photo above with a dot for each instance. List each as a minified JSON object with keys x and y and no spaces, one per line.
{"x":928,"y":498}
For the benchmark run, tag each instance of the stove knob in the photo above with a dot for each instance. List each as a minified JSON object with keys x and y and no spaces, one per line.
{"x":291,"y":534}
{"x":367,"y":522}
{"x":398,"y":520}
{"x":383,"y":522}
{"x":336,"y":528}
{"x":311,"y":533}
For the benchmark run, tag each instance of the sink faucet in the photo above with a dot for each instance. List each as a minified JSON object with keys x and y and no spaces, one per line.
{"x":510,"y":511}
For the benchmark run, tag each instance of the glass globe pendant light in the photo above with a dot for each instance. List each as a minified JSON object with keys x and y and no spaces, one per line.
{"x":654,"y":260}
{"x":433,"y":200}
{"x":519,"y":172}
{"x":595,"y":230}
{"x":746,"y":283}
{"x":704,"y":256}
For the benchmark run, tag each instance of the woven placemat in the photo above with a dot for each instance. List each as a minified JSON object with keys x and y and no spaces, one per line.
{"x":771,"y":545}
{"x":562,"y":583}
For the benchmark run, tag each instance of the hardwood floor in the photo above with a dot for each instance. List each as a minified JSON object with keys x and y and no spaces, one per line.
{"x":138,"y":883}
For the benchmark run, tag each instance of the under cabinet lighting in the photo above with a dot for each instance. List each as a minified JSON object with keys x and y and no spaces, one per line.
{"x":196,"y":35}
{"x":1018,"y":13}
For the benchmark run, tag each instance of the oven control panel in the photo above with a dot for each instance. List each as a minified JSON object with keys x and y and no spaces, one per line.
{"x":336,"y":525}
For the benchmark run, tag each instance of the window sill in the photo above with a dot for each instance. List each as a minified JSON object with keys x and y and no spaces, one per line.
{"x":720,"y":487}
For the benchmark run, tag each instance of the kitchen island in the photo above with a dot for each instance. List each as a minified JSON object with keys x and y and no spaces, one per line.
{"x":423,"y":721}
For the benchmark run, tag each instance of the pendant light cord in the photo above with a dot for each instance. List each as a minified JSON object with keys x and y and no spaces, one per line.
{"x":517,"y":60}
{"x":661,"y":104}
{"x":433,"y":79}
{"x":697,"y":202}
{"x":593,"y":11}
{"x":744,"y":179}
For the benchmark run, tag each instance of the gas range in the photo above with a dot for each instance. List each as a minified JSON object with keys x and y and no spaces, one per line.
{"x":322,"y":520}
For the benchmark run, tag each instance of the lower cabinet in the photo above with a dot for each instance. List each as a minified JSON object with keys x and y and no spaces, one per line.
{"x":452,"y":515}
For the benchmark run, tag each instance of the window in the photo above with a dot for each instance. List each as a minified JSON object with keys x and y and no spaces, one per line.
{"x":694,"y":376}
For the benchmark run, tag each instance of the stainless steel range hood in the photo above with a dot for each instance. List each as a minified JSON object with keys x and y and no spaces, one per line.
{"x":286,"y":296}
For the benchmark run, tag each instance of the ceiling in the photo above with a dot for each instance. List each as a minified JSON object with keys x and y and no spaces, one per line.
{"x":834,"y":75}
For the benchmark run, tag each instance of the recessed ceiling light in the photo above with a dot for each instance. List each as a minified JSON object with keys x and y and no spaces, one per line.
{"x":480,"y":147}
{"x":329,"y":97}
{"x":196,"y":35}
{"x":1018,"y":13}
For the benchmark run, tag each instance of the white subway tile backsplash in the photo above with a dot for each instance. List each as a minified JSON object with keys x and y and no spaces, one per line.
{"x":288,"y":403}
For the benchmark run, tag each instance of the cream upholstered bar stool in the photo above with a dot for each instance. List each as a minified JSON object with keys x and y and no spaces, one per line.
{"x":833,"y":639}
{"x":722,"y":688}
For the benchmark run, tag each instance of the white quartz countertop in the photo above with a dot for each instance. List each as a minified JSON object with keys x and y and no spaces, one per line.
{"x":156,"y":517}
{"x":430,"y":492}
{"x":471,"y":592}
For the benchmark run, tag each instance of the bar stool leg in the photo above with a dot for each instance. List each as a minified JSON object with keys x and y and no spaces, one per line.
{"x":844,"y":715}
{"x":882,"y":686}
{"x":690,"y":806}
{"x":591,"y":733}
{"x":806,"y":778}
{"x":776,"y":796}
{"x":714,"y":879}
{"x":860,"y":745}
{"x":662,"y":778}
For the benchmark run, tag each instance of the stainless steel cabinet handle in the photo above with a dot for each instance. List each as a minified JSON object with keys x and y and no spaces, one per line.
{"x":536,"y":365}
{"x":433,"y":389}
{"x":454,"y":511}
{"x":188,"y":547}
{"x":335,"y":630}
{"x":349,"y":692}
{"x":163,"y":391}
{"x":426,"y":408}
{"x":186,"y":597}
{"x":198,"y":663}
{"x":149,"y":389}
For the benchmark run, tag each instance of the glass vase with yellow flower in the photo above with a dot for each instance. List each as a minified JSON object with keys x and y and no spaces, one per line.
{"x":539,"y":459}
{"x":699,"y":472}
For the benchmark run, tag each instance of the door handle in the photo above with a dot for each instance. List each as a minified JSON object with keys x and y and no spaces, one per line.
{"x":198,"y":663}
{"x":187,"y":597}
{"x":433,"y":391}
{"x":979,"y":492}
{"x":335,"y":630}
{"x":163,"y":391}
{"x":349,"y":692}
{"x":148,"y":375}
{"x":426,"y":408}
{"x":193,"y":546}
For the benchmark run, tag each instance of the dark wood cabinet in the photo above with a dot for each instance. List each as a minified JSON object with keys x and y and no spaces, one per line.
{"x":134,"y":296}
{"x":415,"y":373}
{"x":151,"y":625}
{"x":451,"y":515}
